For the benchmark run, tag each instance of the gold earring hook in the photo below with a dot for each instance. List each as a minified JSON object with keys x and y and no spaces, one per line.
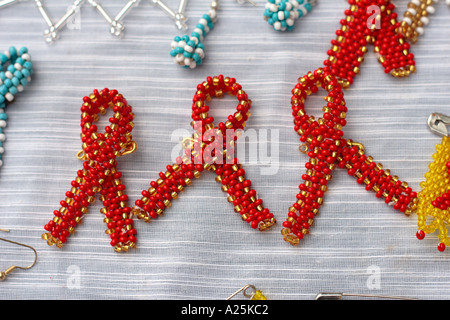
{"x":3,"y":274}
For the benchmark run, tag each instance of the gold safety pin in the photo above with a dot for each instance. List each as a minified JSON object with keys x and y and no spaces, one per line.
{"x":3,"y":274}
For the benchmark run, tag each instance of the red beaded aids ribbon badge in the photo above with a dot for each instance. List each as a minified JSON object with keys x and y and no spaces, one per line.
{"x":210,"y":148}
{"x":369,"y":22}
{"x":99,"y":173}
{"x":323,"y":139}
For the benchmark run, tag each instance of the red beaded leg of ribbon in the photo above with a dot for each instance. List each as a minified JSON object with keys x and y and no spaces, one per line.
{"x":99,"y":174}
{"x":209,"y":148}
{"x":369,"y":22}
{"x":371,"y":174}
{"x":323,"y":138}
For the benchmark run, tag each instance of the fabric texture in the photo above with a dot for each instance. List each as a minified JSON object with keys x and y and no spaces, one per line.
{"x":200,"y":248}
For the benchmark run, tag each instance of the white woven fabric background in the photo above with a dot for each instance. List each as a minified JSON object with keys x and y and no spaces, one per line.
{"x":200,"y":249}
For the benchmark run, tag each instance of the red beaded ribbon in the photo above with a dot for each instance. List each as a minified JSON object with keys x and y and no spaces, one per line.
{"x":350,"y":46}
{"x":99,"y":173}
{"x":210,"y":148}
{"x":323,"y":139}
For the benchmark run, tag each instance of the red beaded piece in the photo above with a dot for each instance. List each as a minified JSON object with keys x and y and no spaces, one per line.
{"x":443,"y":202}
{"x":210,"y":148}
{"x":350,"y":46}
{"x":329,"y":149}
{"x":99,"y":173}
{"x":323,"y":138}
{"x":385,"y":185}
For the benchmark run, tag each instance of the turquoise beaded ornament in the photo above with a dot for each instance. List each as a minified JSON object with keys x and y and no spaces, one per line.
{"x":16,"y":70}
{"x":189,"y":51}
{"x":281,"y":14}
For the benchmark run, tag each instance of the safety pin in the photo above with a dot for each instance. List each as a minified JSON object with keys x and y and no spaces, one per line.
{"x":3,"y":274}
{"x":339,"y":296}
{"x":438,"y":123}
{"x":244,"y":292}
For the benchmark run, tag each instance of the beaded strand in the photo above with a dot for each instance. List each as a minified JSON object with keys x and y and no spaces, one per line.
{"x":16,"y":69}
{"x":416,"y":17}
{"x":189,"y":51}
{"x":281,"y":14}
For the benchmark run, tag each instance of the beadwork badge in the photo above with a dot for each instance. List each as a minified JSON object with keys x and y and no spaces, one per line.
{"x":99,"y":174}
{"x":434,"y":200}
{"x":205,"y":151}
{"x":282,"y":14}
{"x":16,"y":69}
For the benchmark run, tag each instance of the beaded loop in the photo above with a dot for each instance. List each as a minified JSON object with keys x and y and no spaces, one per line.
{"x":350,"y":46}
{"x":15,"y":73}
{"x":281,"y":14}
{"x":209,"y":148}
{"x":189,"y":51}
{"x":323,"y":137}
{"x":99,"y":173}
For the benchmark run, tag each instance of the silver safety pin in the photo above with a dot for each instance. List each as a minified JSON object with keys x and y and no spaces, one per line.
{"x":438,"y":123}
{"x":339,"y":296}
{"x":244,"y":292}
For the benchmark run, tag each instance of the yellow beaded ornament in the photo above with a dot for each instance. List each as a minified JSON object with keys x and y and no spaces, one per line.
{"x":433,"y":207}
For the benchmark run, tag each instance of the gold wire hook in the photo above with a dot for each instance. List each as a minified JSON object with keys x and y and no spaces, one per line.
{"x":130,"y":147}
{"x":356,"y":144}
{"x":81,"y":155}
{"x":3,"y":274}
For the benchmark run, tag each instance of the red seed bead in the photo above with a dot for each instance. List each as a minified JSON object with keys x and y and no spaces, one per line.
{"x":420,"y":235}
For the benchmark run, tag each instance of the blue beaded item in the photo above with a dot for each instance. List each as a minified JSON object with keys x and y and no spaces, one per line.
{"x":15,"y":73}
{"x":189,"y":51}
{"x":281,"y":14}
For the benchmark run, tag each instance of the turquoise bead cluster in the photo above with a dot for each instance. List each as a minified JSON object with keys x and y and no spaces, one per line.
{"x":188,"y":51}
{"x":15,"y":74}
{"x":281,"y":14}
